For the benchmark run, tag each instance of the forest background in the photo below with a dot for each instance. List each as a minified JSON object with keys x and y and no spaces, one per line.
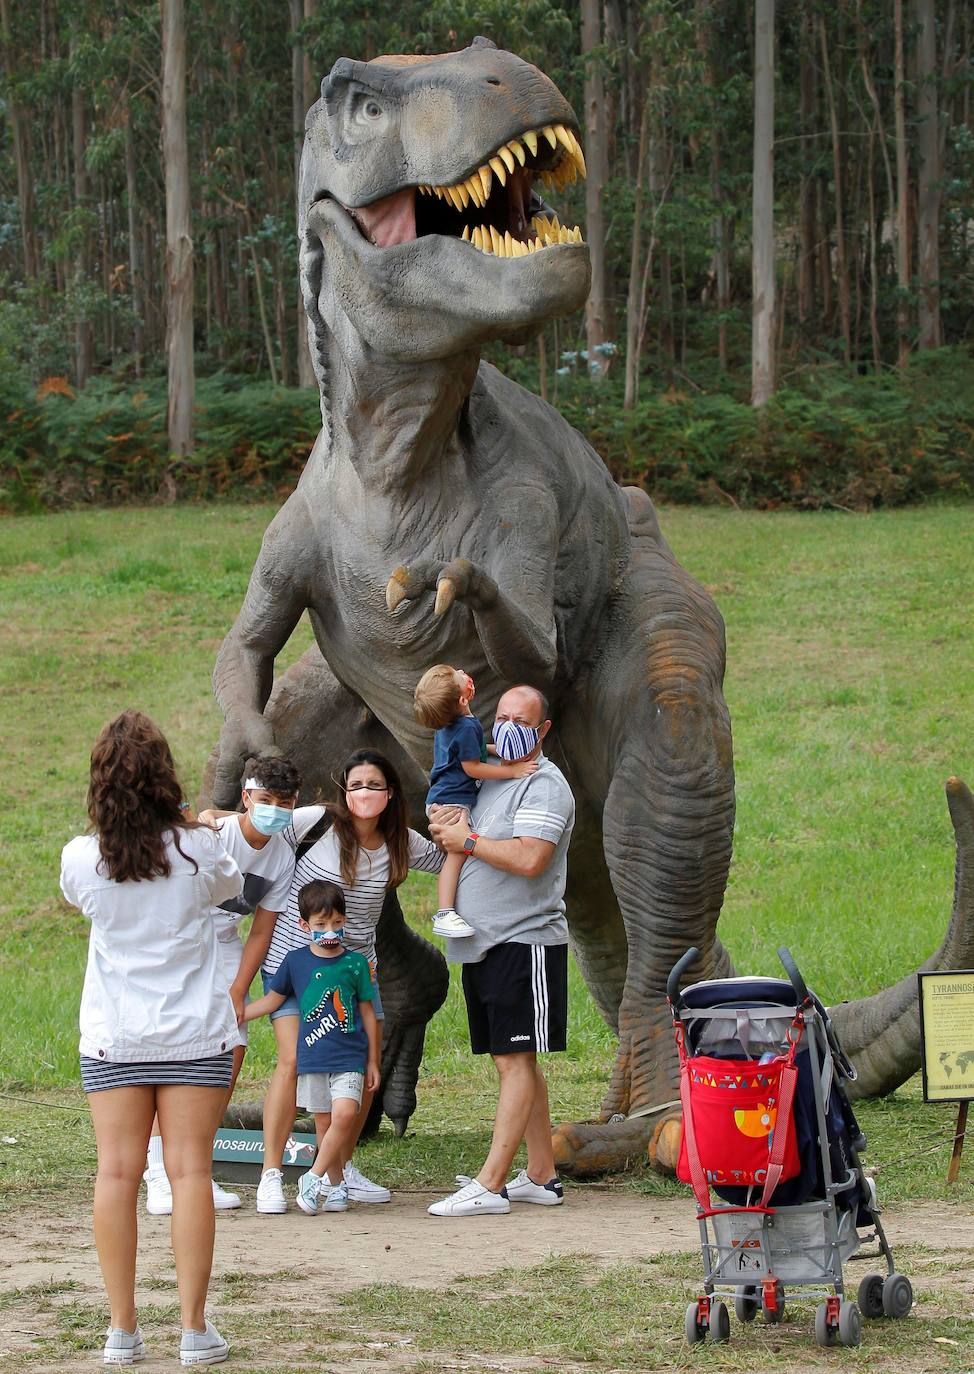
{"x":779,"y":205}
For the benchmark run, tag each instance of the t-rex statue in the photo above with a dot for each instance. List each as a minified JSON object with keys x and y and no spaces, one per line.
{"x":446,"y":514}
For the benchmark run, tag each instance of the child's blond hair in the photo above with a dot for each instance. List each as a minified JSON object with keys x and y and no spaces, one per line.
{"x":436,"y":701}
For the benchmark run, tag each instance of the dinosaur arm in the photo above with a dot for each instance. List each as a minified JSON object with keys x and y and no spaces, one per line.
{"x":513,"y":605}
{"x":244,"y":671}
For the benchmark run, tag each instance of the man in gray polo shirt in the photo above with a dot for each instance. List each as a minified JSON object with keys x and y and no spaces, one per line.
{"x":515,"y":965}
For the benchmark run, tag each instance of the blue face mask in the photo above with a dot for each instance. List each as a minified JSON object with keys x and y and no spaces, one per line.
{"x":514,"y":741}
{"x":327,"y":937}
{"x":270,"y":820}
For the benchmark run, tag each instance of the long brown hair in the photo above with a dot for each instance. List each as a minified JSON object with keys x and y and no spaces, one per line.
{"x":393,"y":823}
{"x":133,"y":799}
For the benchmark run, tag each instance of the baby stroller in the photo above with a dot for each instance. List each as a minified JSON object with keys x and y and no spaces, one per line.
{"x":768,"y":1125}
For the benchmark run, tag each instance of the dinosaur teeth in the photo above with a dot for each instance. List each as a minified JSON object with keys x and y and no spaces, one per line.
{"x":476,"y":188}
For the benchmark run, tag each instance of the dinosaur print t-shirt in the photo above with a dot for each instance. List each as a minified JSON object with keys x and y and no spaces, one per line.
{"x":331,"y":1037}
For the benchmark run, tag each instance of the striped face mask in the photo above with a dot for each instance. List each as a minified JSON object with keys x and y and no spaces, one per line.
{"x":514,"y":741}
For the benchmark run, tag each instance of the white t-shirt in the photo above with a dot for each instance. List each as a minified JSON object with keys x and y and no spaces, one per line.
{"x":267,"y":874}
{"x":153,"y":989}
{"x":363,"y":901}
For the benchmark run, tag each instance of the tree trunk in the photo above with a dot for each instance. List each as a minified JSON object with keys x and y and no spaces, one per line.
{"x":82,"y":330}
{"x":179,"y":240}
{"x":762,"y":214}
{"x":300,"y":81}
{"x":633,"y":330}
{"x":902,"y":192}
{"x":135,"y":271}
{"x":19,"y":134}
{"x":929,"y":179}
{"x":597,"y":161}
{"x":841,"y":259}
{"x":704,"y":23}
{"x":807,"y":228}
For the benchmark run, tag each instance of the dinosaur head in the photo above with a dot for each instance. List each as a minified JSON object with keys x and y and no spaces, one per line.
{"x":421,"y":217}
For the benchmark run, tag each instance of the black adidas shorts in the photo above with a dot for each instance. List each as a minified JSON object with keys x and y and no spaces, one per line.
{"x":517,"y":999}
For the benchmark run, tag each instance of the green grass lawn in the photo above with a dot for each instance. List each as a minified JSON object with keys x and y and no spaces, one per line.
{"x":849,"y":682}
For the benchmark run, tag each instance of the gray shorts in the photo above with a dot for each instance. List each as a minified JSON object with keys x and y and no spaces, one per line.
{"x":317,"y":1090}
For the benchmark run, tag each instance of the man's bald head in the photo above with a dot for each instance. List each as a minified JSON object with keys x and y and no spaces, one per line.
{"x":524,"y":704}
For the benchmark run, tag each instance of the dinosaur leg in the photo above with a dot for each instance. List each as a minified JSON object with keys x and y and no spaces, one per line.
{"x":318,"y":723}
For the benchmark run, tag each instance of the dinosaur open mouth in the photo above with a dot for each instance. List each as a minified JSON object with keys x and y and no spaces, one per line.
{"x":495,"y":208}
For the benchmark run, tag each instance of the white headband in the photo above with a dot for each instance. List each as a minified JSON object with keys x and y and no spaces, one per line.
{"x":252,"y":785}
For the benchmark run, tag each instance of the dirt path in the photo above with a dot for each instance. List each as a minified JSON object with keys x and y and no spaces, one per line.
{"x":396,"y":1243}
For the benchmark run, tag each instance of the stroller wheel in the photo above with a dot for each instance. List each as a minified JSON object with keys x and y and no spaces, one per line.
{"x":746,"y":1306}
{"x":850,"y":1327}
{"x":773,"y":1315}
{"x":897,"y":1295}
{"x":691,"y":1326}
{"x":871,"y":1296}
{"x":824,"y":1333}
{"x":719,"y":1323}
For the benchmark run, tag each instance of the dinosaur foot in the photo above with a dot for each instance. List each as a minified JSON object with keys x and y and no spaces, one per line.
{"x":586,"y":1148}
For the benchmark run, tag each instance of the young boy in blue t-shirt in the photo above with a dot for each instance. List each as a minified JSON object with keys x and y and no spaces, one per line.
{"x":338,"y":1039}
{"x":441,"y":702}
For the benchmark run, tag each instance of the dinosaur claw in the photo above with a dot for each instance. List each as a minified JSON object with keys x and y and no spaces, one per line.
{"x":446,"y":590}
{"x":396,"y":588}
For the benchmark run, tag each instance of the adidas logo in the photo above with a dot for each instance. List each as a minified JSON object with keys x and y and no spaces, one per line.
{"x":515,"y":1039}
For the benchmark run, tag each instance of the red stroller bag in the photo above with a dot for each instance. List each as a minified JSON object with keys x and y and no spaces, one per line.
{"x":737,"y":1123}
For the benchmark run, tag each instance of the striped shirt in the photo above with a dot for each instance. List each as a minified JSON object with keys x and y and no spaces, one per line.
{"x":506,"y":908}
{"x":363,"y":901}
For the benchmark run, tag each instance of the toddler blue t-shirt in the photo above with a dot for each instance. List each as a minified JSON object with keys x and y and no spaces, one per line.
{"x":462,"y":741}
{"x":331,"y":1037}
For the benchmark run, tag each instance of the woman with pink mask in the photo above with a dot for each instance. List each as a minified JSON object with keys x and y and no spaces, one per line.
{"x":364,"y":844}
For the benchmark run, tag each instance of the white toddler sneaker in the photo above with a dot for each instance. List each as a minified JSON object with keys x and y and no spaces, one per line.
{"x":451,"y":925}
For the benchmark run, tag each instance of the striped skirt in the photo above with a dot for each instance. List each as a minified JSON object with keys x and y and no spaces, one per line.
{"x":97,"y":1075}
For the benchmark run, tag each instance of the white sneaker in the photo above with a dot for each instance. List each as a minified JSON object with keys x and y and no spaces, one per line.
{"x":223,"y":1200}
{"x":123,"y":1347}
{"x":158,"y":1194}
{"x":449,"y":923}
{"x":524,"y":1189}
{"x":362,"y":1189}
{"x":271,"y":1201}
{"x":203,"y":1347}
{"x":472,"y":1200}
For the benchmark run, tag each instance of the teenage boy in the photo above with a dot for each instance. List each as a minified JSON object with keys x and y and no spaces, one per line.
{"x":253,"y":839}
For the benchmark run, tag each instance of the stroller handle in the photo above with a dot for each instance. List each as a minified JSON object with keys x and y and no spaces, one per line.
{"x":794,"y":977}
{"x":677,"y":972}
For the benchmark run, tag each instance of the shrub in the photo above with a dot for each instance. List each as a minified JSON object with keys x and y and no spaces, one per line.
{"x":827,"y":438}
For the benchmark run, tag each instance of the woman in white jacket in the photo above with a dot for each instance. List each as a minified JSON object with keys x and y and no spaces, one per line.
{"x":157,"y":1026}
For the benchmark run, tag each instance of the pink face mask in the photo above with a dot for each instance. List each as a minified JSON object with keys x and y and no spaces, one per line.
{"x":367,"y":802}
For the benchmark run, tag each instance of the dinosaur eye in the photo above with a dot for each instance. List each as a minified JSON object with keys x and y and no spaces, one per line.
{"x":373,"y":109}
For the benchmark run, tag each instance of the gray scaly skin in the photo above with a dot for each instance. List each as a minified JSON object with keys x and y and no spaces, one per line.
{"x":447,"y":515}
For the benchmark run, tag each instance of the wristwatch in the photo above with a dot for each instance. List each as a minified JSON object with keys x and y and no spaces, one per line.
{"x":470,"y":843}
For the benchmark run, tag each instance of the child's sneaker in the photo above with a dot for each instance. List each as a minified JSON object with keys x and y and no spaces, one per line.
{"x":123,"y":1347}
{"x":203,"y":1347}
{"x":223,"y":1200}
{"x":524,"y":1189}
{"x":270,"y":1193}
{"x":450,"y":924}
{"x":309,"y":1185}
{"x":158,"y":1193}
{"x":337,"y":1199}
